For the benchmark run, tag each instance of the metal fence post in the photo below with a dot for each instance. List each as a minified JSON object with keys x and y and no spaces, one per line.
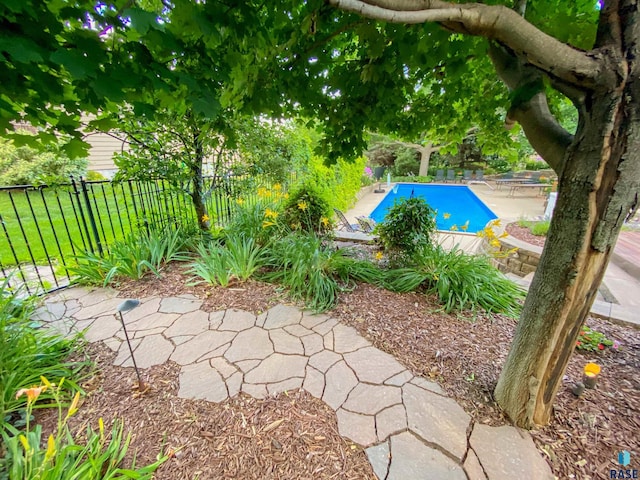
{"x":92,"y":218}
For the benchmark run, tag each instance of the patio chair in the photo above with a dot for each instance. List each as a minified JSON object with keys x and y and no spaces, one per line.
{"x":466,"y":175}
{"x":344,"y":223}
{"x":439,"y":175}
{"x":480,"y":175}
{"x":366,"y":224}
{"x":451,"y":175}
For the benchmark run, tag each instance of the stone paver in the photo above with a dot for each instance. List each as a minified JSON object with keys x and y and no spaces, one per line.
{"x":153,"y":350}
{"x":408,"y":425}
{"x":410,"y":458}
{"x":237,"y":320}
{"x":436,"y":419}
{"x":179,"y":305}
{"x":372,"y":365}
{"x":508,"y":451}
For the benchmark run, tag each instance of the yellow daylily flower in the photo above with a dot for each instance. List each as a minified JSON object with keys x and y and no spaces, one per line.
{"x":240,"y":201}
{"x":205,"y":218}
{"x":324,"y":221}
{"x":51,"y":448}
{"x":303,"y":205}
{"x":24,"y":442}
{"x":32,"y":393}
{"x":379,"y":255}
{"x":268,"y":213}
{"x":495,"y":243}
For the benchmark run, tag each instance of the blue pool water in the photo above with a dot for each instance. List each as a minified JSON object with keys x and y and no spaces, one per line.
{"x":458,"y":201}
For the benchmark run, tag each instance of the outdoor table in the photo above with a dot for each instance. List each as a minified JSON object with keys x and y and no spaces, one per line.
{"x":514,"y":188}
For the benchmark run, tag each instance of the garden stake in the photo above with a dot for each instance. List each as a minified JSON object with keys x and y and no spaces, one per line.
{"x":126,"y":306}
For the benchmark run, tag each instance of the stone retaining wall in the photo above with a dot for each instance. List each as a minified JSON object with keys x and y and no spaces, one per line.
{"x":521,"y":262}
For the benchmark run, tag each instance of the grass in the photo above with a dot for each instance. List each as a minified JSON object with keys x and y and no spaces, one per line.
{"x":539,"y":229}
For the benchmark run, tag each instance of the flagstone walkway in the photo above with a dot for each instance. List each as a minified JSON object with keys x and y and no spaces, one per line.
{"x":408,"y":426}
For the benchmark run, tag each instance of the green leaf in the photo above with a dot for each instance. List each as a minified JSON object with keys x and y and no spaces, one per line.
{"x":21,"y":50}
{"x":76,"y":148}
{"x":72,"y":60}
{"x":142,"y":20}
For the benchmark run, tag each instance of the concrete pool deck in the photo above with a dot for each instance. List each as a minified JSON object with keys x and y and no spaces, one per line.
{"x":622,"y":286}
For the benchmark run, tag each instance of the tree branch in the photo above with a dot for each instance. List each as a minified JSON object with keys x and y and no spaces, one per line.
{"x":543,"y":131}
{"x":499,"y":23}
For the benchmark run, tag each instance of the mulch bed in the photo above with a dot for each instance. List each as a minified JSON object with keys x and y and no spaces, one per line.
{"x":524,"y":234}
{"x":241,"y":438}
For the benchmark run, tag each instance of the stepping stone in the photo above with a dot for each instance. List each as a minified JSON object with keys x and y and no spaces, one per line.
{"x":224,"y":368}
{"x":379,"y":457}
{"x":103,"y":328}
{"x":199,"y":346}
{"x":340,"y":380}
{"x":49,"y":312}
{"x":153,"y":320}
{"x":372,"y":365}
{"x":437,"y":419}
{"x":123,"y":359}
{"x":284,"y":386}
{"x":192,"y":323}
{"x":359,"y":428}
{"x":281,"y":316}
{"x":472,"y":466}
{"x":153,"y":350}
{"x":325,"y":327}
{"x":314,"y":382}
{"x":237,"y":320}
{"x":148,"y":306}
{"x":347,"y":339}
{"x":252,"y":344}
{"x":298,"y":330}
{"x":179,"y":305}
{"x":200,"y":381}
{"x":107,"y":306}
{"x":324,"y":360}
{"x":427,"y":385}
{"x":215,"y":319}
{"x":146,"y":333}
{"x":312,"y":344}
{"x":399,"y":379}
{"x":284,"y":342}
{"x":507,"y":452}
{"x":310,"y":320}
{"x":410,"y":458}
{"x":277,"y":368}
{"x":93,"y":297}
{"x":391,"y":421}
{"x":371,"y":399}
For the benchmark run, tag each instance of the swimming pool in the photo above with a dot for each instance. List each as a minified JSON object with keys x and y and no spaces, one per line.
{"x":456,"y":204}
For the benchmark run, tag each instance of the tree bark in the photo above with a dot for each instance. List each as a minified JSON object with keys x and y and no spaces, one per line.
{"x":598,"y":190}
{"x":425,"y":155}
{"x":197,"y":182}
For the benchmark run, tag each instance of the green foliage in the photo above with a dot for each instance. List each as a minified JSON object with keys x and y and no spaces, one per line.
{"x":409,"y":225}
{"x":237,"y":260}
{"x":258,"y":219}
{"x":591,"y":340}
{"x":411,"y":179}
{"x":540,"y":228}
{"x":535,"y":165}
{"x":28,"y":352}
{"x":459,"y":280}
{"x":93,"y":176}
{"x":307,"y":268}
{"x":28,"y":166}
{"x":133,"y":257}
{"x":406,"y":163}
{"x":99,"y":456}
{"x":339,"y":183}
{"x":307,"y":209}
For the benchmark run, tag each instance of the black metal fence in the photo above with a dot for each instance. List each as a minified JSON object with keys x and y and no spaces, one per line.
{"x":42,"y":228}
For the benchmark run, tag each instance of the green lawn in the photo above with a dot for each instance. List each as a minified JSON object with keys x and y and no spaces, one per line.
{"x":49,"y":221}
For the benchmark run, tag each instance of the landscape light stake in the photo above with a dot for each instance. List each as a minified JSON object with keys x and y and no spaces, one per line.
{"x":126,"y":306}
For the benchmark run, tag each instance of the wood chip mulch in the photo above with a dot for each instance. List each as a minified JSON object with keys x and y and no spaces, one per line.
{"x":524,"y":234}
{"x":290,"y":436}
{"x":241,"y":438}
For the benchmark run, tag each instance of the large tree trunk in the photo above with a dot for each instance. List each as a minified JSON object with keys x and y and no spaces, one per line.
{"x":598,"y":189}
{"x":197,"y":182}
{"x":425,"y":154}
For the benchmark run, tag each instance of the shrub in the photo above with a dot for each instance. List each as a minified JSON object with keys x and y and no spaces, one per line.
{"x":27,"y":166}
{"x":28,"y":352}
{"x":535,"y":165}
{"x":93,"y":176}
{"x":307,"y":210}
{"x":338,"y":184}
{"x":406,"y":162}
{"x":409,"y":225}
